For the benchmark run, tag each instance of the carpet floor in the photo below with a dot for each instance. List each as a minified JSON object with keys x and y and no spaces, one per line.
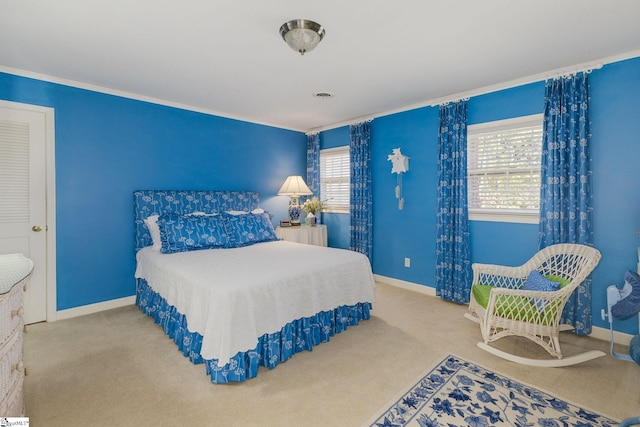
{"x":118,"y":368}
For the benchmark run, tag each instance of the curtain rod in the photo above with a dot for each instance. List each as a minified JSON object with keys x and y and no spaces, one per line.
{"x":359,"y":122}
{"x":572,"y":71}
{"x":368,"y":119}
{"x":561,"y":72}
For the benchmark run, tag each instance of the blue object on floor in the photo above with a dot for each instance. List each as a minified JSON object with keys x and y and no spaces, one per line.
{"x":630,"y":422}
{"x":623,"y":303}
{"x":629,"y":305}
{"x":634,"y":349}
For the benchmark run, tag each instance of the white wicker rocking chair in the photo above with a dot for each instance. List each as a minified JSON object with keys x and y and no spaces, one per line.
{"x":503,"y":309}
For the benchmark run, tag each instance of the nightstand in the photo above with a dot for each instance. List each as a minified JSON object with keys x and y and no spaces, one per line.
{"x":316,"y":235}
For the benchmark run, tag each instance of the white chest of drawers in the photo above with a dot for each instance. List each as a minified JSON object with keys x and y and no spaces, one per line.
{"x":15,"y":270}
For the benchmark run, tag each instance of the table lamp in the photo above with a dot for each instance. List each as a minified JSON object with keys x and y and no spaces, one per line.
{"x":294,"y":187}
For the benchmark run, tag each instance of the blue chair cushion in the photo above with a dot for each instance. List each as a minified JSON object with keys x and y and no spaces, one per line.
{"x":629,"y":305}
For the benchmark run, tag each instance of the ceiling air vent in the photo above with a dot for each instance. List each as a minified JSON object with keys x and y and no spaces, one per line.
{"x":323,"y":95}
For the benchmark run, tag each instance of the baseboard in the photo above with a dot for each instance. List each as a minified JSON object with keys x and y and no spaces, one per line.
{"x":410,"y":286}
{"x":597,"y":332}
{"x":95,"y":308}
{"x":605,"y":335}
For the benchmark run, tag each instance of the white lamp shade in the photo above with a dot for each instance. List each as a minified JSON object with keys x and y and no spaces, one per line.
{"x":294,"y":186}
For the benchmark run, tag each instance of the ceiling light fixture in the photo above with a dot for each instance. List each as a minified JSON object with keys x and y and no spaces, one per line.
{"x":302,"y":35}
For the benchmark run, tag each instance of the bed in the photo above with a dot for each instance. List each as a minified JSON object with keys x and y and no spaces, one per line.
{"x":229,"y":293}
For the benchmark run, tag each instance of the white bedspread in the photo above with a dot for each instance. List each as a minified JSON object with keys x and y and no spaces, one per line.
{"x":234,"y":296}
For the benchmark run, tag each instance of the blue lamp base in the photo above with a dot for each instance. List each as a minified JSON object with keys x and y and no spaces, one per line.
{"x":294,"y":210}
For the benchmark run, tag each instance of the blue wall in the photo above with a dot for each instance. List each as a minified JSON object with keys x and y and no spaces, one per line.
{"x":410,"y":233}
{"x":615,"y":128}
{"x":108,"y":146}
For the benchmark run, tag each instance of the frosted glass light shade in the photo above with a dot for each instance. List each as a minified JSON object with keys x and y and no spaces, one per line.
{"x":302,"y":35}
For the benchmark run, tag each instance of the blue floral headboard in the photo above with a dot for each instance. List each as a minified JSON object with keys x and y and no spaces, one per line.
{"x":149,"y":202}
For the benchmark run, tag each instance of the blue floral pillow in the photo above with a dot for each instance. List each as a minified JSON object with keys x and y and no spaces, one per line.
{"x":537,"y":282}
{"x":251,"y":228}
{"x":181,"y":233}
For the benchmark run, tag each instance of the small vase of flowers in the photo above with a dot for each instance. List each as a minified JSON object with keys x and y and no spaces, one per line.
{"x":313,"y":207}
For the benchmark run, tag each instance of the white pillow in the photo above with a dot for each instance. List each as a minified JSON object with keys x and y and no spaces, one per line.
{"x":152,"y":224}
{"x":198,"y":213}
{"x":255,"y":211}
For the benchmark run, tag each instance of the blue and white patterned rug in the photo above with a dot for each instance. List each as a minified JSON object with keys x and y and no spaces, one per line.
{"x":461,"y":393}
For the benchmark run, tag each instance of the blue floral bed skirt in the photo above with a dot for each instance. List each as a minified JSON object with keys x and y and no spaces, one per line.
{"x":294,"y":337}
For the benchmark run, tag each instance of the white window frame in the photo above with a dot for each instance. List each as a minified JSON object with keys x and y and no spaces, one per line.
{"x":330,"y":203}
{"x":528,"y":216}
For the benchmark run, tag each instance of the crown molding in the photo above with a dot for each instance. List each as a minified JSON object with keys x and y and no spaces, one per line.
{"x":586,"y":66}
{"x":131,"y":95}
{"x":429,"y":103}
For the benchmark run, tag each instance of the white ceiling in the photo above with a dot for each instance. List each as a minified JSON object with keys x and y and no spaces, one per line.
{"x":227,"y":57}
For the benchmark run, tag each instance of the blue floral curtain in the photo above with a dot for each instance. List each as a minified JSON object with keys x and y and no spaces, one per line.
{"x":361,"y":194}
{"x":565,"y":193}
{"x":313,"y":163}
{"x":453,"y":265}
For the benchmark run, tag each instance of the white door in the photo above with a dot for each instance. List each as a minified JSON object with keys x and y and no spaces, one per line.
{"x":23,"y":215}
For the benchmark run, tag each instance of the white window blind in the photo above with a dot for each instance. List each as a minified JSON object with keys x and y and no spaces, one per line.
{"x":504,"y":169}
{"x":335,"y":178}
{"x":14,"y":172}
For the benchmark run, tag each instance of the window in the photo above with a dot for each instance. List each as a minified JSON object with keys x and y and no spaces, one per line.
{"x":335,"y":178}
{"x":504,"y":169}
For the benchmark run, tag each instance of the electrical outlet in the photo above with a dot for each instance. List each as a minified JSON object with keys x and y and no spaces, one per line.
{"x":407,"y":262}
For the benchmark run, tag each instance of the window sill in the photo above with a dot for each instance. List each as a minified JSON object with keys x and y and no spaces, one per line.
{"x":338,"y":211}
{"x":522,"y":218}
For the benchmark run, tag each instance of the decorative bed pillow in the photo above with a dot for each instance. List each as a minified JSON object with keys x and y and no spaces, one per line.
{"x":152,"y":225}
{"x":250,"y":228}
{"x":181,"y":233}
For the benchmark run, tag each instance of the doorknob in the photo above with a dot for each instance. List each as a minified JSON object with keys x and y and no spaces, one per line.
{"x":36,"y":228}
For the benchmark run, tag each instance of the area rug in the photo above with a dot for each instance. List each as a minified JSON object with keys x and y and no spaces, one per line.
{"x":461,"y":393}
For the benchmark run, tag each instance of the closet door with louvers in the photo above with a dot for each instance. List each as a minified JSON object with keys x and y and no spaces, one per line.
{"x":23,"y":227}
